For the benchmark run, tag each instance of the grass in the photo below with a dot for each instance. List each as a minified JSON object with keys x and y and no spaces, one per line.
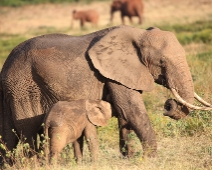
{"x":184,"y":145}
{"x":197,"y":32}
{"x":7,"y":43}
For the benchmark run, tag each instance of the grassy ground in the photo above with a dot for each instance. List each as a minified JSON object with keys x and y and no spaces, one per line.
{"x":185,"y":144}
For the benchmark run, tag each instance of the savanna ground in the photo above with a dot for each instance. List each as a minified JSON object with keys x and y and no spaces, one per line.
{"x":184,"y":144}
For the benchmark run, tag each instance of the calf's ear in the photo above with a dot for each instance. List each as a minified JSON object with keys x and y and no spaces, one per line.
{"x":98,"y":112}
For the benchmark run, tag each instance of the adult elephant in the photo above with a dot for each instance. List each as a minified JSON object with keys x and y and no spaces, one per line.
{"x":129,"y":8}
{"x":120,"y":62}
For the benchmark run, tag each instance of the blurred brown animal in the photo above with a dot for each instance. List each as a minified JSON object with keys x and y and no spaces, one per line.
{"x":128,"y":8}
{"x":91,"y":16}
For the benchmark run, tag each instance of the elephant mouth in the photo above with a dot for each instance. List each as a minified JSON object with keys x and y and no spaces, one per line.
{"x":175,"y":110}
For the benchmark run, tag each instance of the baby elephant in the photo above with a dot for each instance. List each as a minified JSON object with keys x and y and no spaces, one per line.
{"x":91,"y":16}
{"x":69,"y":121}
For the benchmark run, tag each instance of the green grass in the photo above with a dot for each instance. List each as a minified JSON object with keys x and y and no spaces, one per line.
{"x":190,"y":27}
{"x":7,"y":43}
{"x":205,"y":56}
{"x":198,"y":32}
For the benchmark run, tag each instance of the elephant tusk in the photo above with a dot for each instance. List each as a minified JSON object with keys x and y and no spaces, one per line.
{"x":188,"y":104}
{"x":201,"y":100}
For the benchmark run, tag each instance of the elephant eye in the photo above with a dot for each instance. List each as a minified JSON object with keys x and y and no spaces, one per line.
{"x":99,"y":108}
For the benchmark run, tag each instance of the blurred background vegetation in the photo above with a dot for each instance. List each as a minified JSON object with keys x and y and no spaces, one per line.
{"x":15,"y":3}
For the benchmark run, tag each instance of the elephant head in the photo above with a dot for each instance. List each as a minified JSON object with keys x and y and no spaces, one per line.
{"x":98,"y":112}
{"x":75,"y":14}
{"x":74,"y":17}
{"x":137,"y":58}
{"x":115,"y":6}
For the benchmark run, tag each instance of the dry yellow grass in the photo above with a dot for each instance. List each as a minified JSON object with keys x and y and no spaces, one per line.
{"x":181,"y":153}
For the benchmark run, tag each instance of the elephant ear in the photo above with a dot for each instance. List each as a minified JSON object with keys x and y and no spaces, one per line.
{"x":117,"y":56}
{"x":98,"y":112}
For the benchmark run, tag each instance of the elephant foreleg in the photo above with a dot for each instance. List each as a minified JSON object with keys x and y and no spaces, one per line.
{"x":111,"y":16}
{"x":129,"y":104}
{"x":122,"y":19}
{"x":126,"y":143}
{"x":82,"y":22}
{"x":130,"y":18}
{"x":78,"y":149}
{"x":92,"y":140}
{"x":58,"y":140}
{"x":140,"y":19}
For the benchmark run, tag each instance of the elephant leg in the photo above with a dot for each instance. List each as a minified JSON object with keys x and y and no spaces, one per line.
{"x":11,"y":142}
{"x":130,"y":18}
{"x":92,"y":140}
{"x":82,"y":23}
{"x":122,"y":19}
{"x":30,"y":136}
{"x":140,"y":19}
{"x":126,"y":143}
{"x":58,"y":140}
{"x":10,"y":139}
{"x":129,"y":104}
{"x":78,"y":149}
{"x":29,"y":126}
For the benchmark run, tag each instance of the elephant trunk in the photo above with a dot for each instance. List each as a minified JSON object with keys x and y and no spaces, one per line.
{"x":173,"y":107}
{"x":179,"y":78}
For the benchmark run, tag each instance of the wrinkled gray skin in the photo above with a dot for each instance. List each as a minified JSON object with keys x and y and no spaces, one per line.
{"x":120,"y":61}
{"x":69,"y":121}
